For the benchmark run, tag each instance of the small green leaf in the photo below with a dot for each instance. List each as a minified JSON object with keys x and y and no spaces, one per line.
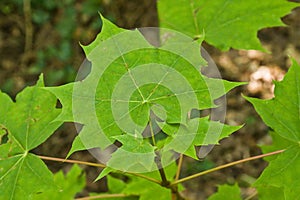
{"x":231,"y":192}
{"x":136,"y":155}
{"x":104,"y":173}
{"x":116,"y":186}
{"x":219,"y":87}
{"x":66,"y":185}
{"x":141,"y":188}
{"x":147,"y":190}
{"x":199,"y":131}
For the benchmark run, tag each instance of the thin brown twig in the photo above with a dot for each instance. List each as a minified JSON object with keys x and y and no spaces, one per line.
{"x":179,"y":167}
{"x":95,"y":165}
{"x":252,"y":195}
{"x":102,"y":196}
{"x":152,"y":132}
{"x":144,"y":177}
{"x":225,"y":166}
{"x":72,"y":161}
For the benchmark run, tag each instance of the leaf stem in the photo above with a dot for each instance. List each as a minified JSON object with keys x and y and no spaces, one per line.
{"x":96,"y":165}
{"x":144,"y":177}
{"x":194,"y":11}
{"x":251,"y":195}
{"x":102,"y":196}
{"x":152,"y":132}
{"x":72,"y":161}
{"x":225,"y":166}
{"x":179,"y":167}
{"x":164,"y":181}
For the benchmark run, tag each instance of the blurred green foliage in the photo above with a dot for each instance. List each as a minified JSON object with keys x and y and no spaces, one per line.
{"x":197,"y":166}
{"x":71,"y":22}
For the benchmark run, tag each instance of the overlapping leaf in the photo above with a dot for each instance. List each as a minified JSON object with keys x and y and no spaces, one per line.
{"x":223,"y":23}
{"x":135,"y":155}
{"x":26,"y":123}
{"x":199,"y":131}
{"x":282,"y":114}
{"x":114,"y":70}
{"x":129,"y":80}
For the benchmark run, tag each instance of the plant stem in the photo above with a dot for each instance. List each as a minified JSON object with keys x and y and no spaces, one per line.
{"x":252,"y":195}
{"x":102,"y":196}
{"x":72,"y":161}
{"x":164,"y":181}
{"x":225,"y":166}
{"x":152,"y":132}
{"x":179,"y":167}
{"x":96,"y":165}
{"x":144,"y":177}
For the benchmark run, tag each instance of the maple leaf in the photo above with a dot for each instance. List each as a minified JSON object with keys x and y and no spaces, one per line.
{"x":223,"y":23}
{"x":27,"y":124}
{"x":282,"y":114}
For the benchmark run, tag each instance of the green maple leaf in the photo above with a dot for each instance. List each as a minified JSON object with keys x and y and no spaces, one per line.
{"x":223,"y":23}
{"x":270,"y":192}
{"x":280,"y":175}
{"x":227,"y":192}
{"x":278,"y":142}
{"x":199,"y":131}
{"x":149,"y":190}
{"x":27,"y":124}
{"x":129,"y":80}
{"x":116,"y":186}
{"x":23,"y":176}
{"x":282,"y":114}
{"x":68,"y":185}
{"x":136,"y":154}
{"x":136,"y":188}
{"x":139,"y":188}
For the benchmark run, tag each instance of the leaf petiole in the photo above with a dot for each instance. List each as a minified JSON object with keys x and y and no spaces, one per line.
{"x":225,"y":166}
{"x":103,"y":196}
{"x":96,"y":165}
